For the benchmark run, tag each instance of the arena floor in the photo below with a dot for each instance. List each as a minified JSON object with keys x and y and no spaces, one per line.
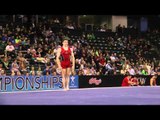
{"x":143,"y":95}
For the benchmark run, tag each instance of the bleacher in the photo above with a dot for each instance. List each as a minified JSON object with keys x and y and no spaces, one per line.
{"x":112,"y":42}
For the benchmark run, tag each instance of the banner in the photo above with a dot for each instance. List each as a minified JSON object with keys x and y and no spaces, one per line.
{"x":29,"y":83}
{"x":111,"y":81}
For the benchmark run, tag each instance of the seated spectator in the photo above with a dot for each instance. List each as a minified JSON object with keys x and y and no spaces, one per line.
{"x":153,"y":80}
{"x":15,"y":67}
{"x":5,"y":62}
{"x":77,"y":65}
{"x":39,"y":51}
{"x":109,"y":68}
{"x":56,"y":21}
{"x":22,"y":62}
{"x":51,"y":54}
{"x":127,"y":81}
{"x":102,"y":29}
{"x":10,"y":50}
{"x":101,"y":61}
{"x":144,"y":72}
{"x":86,"y":71}
{"x":112,"y":58}
{"x":131,"y":70}
{"x":39,"y":71}
{"x":2,"y":73}
{"x":31,"y":50}
{"x":135,"y":81}
{"x":53,"y":70}
{"x":32,"y":72}
{"x":28,"y":55}
{"x":17,"y":42}
{"x":1,"y":67}
{"x":2,"y":47}
{"x":46,"y":71}
{"x":42,"y":59}
{"x":27,"y":73}
{"x":93,"y":71}
{"x":70,"y":26}
{"x":80,"y":72}
{"x":24,"y":44}
{"x":23,"y":67}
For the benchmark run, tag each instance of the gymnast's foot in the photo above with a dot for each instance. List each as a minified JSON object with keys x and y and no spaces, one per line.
{"x":67,"y":88}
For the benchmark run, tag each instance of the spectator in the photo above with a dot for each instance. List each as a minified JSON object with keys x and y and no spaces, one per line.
{"x":2,"y":47}
{"x":15,"y":67}
{"x":1,"y":67}
{"x":56,"y":21}
{"x":153,"y":80}
{"x":2,"y":73}
{"x":10,"y":50}
{"x":127,"y":81}
{"x":6,"y":63}
{"x":32,"y":72}
{"x":109,"y":68}
{"x":46,"y":71}
{"x":135,"y":81}
{"x":39,"y":71}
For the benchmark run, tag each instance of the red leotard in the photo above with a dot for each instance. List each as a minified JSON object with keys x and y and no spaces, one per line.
{"x":65,"y":54}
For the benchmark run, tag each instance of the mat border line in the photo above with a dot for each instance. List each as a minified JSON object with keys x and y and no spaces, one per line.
{"x":75,"y":89}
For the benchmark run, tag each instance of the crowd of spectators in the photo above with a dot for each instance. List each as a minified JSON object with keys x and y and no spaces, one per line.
{"x":31,"y":50}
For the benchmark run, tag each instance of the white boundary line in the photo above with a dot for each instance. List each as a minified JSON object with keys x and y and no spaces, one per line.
{"x":75,"y":89}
